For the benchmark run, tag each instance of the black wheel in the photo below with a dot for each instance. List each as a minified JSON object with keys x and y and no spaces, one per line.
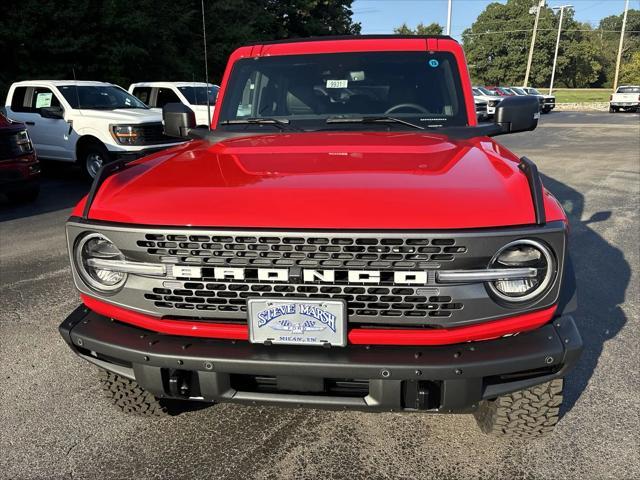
{"x":25,"y":195}
{"x":129,"y":397}
{"x":527,"y":413}
{"x":91,"y":157}
{"x":613,"y":110}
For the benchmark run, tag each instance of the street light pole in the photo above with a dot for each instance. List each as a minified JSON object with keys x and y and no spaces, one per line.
{"x":539,"y":7}
{"x":624,"y":24}
{"x":555,"y":57}
{"x":449,"y":18}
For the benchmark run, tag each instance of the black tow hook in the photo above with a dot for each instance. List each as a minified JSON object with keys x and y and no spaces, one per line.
{"x":179,"y":383}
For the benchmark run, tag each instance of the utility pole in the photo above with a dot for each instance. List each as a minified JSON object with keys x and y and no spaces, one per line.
{"x":541,"y":4}
{"x":555,"y":57}
{"x":624,"y":24}
{"x":449,"y":18}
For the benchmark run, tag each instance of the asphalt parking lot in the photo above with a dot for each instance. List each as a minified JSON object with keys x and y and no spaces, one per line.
{"x":54,"y":422}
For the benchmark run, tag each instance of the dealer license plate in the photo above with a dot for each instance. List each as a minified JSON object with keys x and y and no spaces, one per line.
{"x":297,"y":321}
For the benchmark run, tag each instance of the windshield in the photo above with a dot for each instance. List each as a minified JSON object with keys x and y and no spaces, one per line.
{"x":476,"y":91}
{"x":311,"y":92}
{"x":98,"y":97}
{"x":628,"y":90}
{"x":519,"y":91}
{"x":198,"y":95}
{"x":533,"y":91}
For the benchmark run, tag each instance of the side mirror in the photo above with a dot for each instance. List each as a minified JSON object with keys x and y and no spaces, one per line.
{"x":517,"y":114}
{"x":178,"y":120}
{"x":52,"y":112}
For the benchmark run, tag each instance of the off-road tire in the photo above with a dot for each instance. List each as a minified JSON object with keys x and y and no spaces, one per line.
{"x":527,"y":413}
{"x":127,"y":395}
{"x":613,"y":110}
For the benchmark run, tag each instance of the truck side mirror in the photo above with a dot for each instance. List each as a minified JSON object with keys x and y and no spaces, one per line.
{"x":517,"y":114}
{"x":52,"y":112}
{"x":178,"y":120}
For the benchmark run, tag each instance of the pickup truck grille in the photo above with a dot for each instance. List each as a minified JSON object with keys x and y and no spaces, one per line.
{"x":302,"y":251}
{"x":153,"y":134}
{"x":8,"y":146}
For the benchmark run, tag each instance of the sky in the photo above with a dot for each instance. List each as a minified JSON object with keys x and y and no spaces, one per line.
{"x":381,"y":16}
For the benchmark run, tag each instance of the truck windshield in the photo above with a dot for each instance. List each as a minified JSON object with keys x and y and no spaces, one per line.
{"x":486,"y":92}
{"x":628,"y":90}
{"x":312,"y":91}
{"x":98,"y":97}
{"x":198,"y":95}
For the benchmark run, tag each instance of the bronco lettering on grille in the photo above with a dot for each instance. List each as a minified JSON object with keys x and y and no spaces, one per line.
{"x":406,"y":277}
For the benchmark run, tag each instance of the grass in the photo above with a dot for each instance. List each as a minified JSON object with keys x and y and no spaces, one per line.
{"x":576,"y":95}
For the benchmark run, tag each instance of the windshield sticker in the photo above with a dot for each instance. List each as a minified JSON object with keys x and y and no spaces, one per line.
{"x":43,"y":100}
{"x":337,"y":83}
{"x":433,"y":63}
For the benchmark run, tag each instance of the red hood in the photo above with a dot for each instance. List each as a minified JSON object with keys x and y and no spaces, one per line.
{"x":323,"y":181}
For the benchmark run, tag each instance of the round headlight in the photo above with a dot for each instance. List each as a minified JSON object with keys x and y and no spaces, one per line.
{"x":523,"y":254}
{"x":97,"y":246}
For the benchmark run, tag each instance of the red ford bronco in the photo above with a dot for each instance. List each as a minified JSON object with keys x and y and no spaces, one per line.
{"x":345,"y":236}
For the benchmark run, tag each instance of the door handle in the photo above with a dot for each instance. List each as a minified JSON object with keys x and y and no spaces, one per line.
{"x":30,"y":123}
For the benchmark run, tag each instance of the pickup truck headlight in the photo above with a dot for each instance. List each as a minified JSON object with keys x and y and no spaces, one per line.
{"x":493,"y":103}
{"x":95,"y":246}
{"x":127,"y":134}
{"x":523,"y":254}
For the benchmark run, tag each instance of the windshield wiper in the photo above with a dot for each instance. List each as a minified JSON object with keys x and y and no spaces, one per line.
{"x":373,"y":119}
{"x":281,"y":124}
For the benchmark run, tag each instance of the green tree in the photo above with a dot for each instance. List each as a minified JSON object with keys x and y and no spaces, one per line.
{"x":630,"y":71}
{"x":421,"y":29}
{"x":111,"y":41}
{"x":497,"y":47}
{"x":607,"y":38}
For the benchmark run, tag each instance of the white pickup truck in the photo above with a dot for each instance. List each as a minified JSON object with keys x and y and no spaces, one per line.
{"x":193,"y":94}
{"x":626,"y":97}
{"x":89,"y":123}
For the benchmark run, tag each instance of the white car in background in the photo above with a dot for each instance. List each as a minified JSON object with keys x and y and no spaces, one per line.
{"x":548,"y":102}
{"x":89,"y":123}
{"x":484,"y":95}
{"x":626,"y":97}
{"x":193,"y":94}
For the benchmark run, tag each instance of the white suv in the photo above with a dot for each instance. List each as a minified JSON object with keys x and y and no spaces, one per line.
{"x":192,"y":94}
{"x":90,"y":123}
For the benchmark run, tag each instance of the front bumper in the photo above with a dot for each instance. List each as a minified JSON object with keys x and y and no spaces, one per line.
{"x":452,"y":378}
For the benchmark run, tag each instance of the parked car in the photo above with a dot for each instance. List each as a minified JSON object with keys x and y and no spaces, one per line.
{"x":19,"y":167}
{"x":480,"y":93}
{"x":501,"y":91}
{"x":346,"y":237}
{"x":625,"y":98}
{"x":548,"y":103}
{"x":194,"y":94}
{"x":523,"y":93}
{"x":90,"y":123}
{"x":481,"y":109}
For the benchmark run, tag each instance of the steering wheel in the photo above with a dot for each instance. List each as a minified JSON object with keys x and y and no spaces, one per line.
{"x":415,"y":106}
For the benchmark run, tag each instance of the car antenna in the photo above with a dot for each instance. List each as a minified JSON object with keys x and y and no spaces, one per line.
{"x":206,"y":66}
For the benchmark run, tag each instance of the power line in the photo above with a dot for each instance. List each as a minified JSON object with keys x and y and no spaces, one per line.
{"x":548,"y":30}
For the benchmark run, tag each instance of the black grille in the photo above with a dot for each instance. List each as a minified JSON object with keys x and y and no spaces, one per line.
{"x":362,"y":301}
{"x":310,"y":252}
{"x":153,"y":133}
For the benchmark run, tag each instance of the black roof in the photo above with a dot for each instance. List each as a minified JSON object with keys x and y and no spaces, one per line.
{"x":349,"y":37}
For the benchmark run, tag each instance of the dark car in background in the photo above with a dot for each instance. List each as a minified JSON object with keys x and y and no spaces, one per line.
{"x":19,"y":166}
